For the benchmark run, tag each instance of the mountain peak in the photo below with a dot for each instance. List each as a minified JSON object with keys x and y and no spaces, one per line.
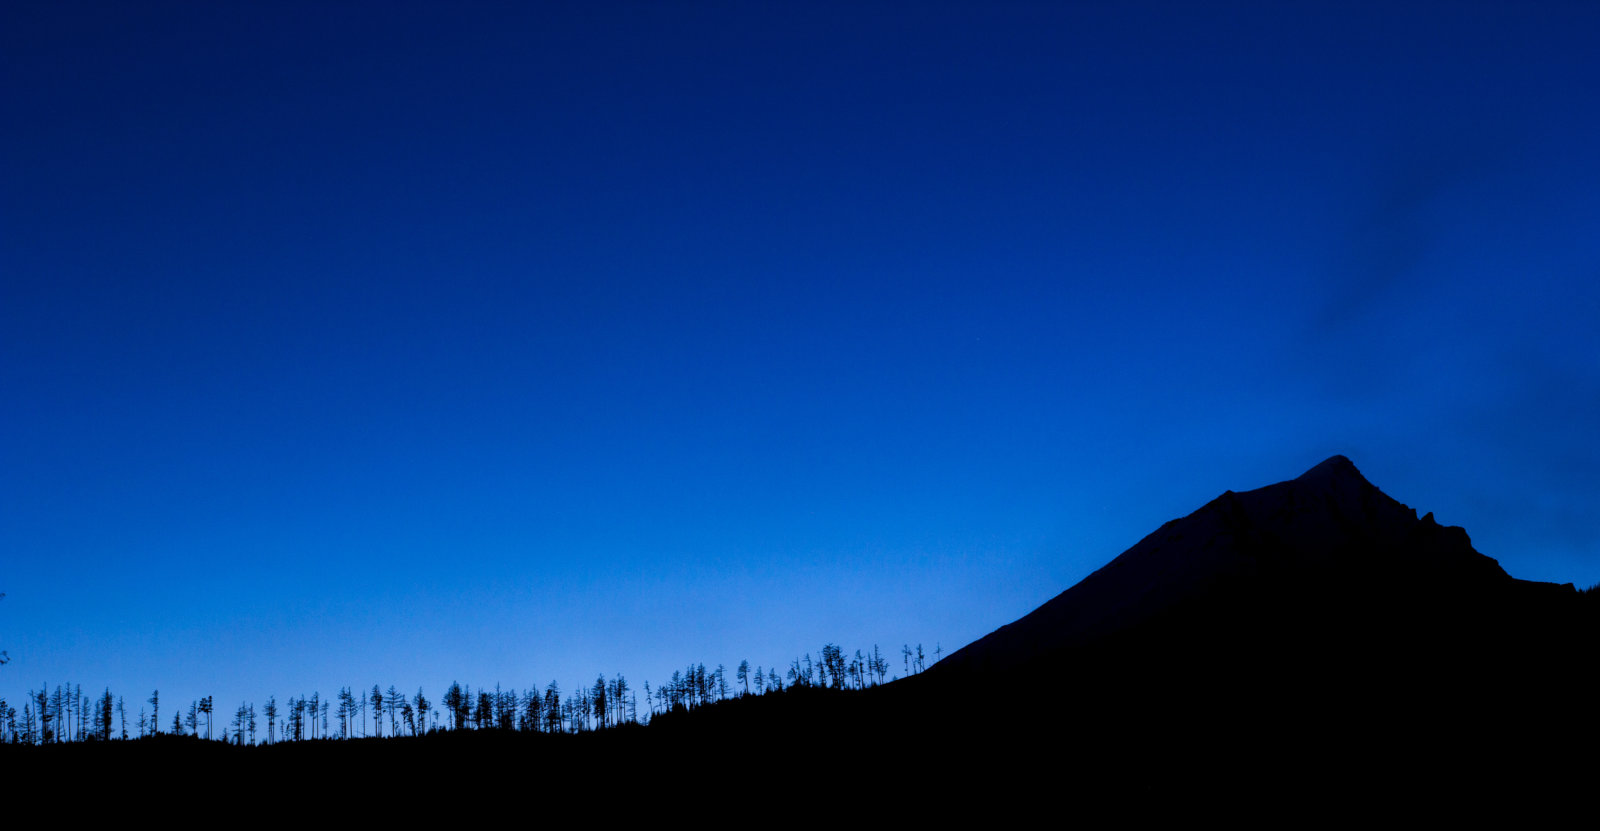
{"x":1332,"y":468}
{"x":1325,"y":532}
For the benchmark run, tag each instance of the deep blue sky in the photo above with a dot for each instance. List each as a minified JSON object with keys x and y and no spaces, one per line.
{"x":402,"y":343}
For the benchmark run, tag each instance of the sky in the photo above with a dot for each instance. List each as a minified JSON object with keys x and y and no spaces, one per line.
{"x":400,"y":343}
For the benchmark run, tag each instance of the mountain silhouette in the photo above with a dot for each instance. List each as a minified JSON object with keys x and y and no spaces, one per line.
{"x":1327,"y":552}
{"x":1308,"y":642}
{"x":1305,"y":647}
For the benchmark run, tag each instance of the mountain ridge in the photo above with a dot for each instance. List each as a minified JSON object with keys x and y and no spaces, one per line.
{"x":1324,"y":533}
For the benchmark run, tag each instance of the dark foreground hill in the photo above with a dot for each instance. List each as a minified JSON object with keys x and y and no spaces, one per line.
{"x":1310,"y":643}
{"x":1313,"y":637}
{"x":1311,"y":646}
{"x":1324,"y":567}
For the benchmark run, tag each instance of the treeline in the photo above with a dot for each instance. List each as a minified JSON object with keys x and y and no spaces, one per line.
{"x":69,"y":715}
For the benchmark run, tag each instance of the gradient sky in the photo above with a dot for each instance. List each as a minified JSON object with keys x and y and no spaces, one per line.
{"x":401,"y":343}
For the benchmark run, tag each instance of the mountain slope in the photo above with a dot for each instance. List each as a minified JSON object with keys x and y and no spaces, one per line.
{"x":1324,"y":557}
{"x":1308,"y":644}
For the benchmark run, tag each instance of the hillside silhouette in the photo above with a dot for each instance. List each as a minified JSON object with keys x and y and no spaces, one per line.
{"x":1325,"y":561}
{"x":1311,"y":642}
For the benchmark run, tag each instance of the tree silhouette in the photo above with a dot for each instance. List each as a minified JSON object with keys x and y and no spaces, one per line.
{"x":532,"y":711}
{"x":455,"y":704}
{"x":422,"y":710}
{"x":377,"y":711}
{"x":105,"y":716}
{"x":41,"y":700}
{"x":393,"y":701}
{"x":291,"y":719}
{"x":833,"y":665}
{"x":59,"y":713}
{"x":505,"y":708}
{"x":597,"y":697}
{"x":552,"y":708}
{"x":241,"y":720}
{"x":619,"y":693}
{"x":482,"y":711}
{"x":67,"y":715}
{"x":347,"y":712}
